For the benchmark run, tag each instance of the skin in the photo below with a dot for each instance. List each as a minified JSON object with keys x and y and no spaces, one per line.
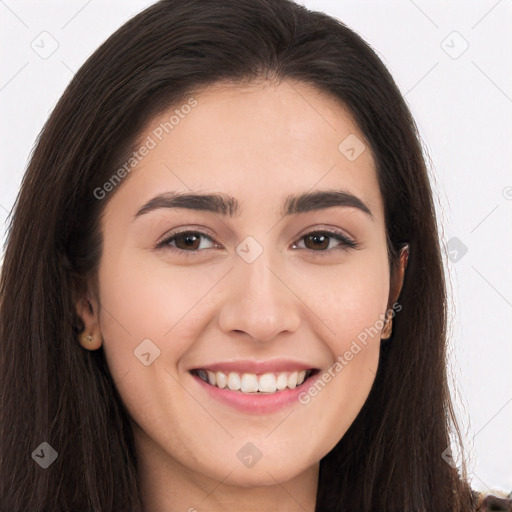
{"x":258,"y":142}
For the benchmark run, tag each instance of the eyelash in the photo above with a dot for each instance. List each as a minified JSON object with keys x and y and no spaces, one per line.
{"x":346,"y":243}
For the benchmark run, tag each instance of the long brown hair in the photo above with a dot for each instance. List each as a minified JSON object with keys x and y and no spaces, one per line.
{"x":54,"y":391}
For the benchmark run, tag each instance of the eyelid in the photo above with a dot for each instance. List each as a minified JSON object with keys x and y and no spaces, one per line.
{"x":347,"y":242}
{"x":179,"y":231}
{"x":330,"y":230}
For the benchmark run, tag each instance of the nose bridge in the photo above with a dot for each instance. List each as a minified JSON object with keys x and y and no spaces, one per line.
{"x":258,"y":302}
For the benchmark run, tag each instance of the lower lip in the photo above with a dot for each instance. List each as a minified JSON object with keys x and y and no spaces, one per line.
{"x":259,"y":403}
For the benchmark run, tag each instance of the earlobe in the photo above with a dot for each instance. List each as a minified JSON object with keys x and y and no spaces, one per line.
{"x":90,"y":341}
{"x":88,"y":311}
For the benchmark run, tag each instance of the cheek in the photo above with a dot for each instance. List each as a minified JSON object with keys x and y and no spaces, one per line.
{"x":348,"y":298}
{"x":350,"y":305}
{"x":145,"y":299}
{"x":141,"y":300}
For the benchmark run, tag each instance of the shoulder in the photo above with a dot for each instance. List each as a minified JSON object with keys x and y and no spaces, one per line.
{"x":493,"y":500}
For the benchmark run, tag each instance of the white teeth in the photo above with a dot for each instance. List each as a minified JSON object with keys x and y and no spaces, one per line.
{"x":252,"y":383}
{"x":282,"y":381}
{"x":221,"y":380}
{"x":211,"y":377}
{"x":249,"y":383}
{"x":267,"y":383}
{"x":234,"y":381}
{"x":292,"y":380}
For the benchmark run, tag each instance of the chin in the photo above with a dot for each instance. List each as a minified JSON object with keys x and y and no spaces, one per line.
{"x":261,"y":477}
{"x":263,"y":473}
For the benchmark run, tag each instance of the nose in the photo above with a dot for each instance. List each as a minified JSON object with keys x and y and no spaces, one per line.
{"x":259,"y":301}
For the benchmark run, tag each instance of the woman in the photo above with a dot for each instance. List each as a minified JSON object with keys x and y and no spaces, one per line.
{"x":223,"y":287}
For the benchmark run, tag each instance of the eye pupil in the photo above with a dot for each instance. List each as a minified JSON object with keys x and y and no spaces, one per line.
{"x":189,"y":239}
{"x":318,"y":238}
{"x":316,"y":241}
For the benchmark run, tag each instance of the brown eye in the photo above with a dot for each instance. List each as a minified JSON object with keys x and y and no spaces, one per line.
{"x":319,"y":241}
{"x":186,"y":241}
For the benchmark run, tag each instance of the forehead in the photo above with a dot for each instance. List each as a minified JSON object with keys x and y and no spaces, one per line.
{"x":256,"y":141}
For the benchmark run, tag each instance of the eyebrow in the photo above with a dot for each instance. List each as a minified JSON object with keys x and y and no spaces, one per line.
{"x":226,"y":205}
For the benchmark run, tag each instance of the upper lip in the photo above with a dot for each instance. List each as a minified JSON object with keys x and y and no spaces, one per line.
{"x":258,"y":367}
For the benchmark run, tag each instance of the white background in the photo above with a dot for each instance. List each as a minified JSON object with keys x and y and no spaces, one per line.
{"x":462,"y":101}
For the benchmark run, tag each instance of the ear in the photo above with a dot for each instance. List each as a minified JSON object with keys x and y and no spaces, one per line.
{"x":397,"y":280}
{"x":395,"y":288}
{"x":88,"y":310}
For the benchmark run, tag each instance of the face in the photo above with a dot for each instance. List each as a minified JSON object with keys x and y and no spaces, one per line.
{"x":265,"y":292}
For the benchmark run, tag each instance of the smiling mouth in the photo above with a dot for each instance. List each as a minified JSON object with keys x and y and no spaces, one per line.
{"x":252,"y":383}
